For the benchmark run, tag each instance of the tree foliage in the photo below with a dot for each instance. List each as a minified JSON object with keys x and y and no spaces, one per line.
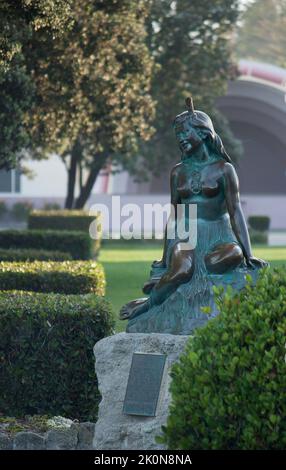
{"x":262,"y":32}
{"x":92,"y":86}
{"x":191,"y":42}
{"x":89,"y":73}
{"x":18,"y":20}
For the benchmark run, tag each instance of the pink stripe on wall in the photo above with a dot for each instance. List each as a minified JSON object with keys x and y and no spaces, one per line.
{"x":267,"y":72}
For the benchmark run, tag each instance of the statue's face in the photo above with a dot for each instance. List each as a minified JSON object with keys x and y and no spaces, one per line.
{"x":189,"y":138}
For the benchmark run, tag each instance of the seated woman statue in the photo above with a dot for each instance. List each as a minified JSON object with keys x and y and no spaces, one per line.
{"x":181,"y":282}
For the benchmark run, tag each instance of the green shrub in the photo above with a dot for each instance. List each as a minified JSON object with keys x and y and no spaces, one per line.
{"x":51,"y":206}
{"x":30,"y":254}
{"x":260,"y":223}
{"x":63,"y":219}
{"x":258,"y":238}
{"x":46,"y":350}
{"x":60,"y":220}
{"x":228,"y":388}
{"x":258,"y":228}
{"x":3,"y":209}
{"x":66,"y":277}
{"x":34,"y":423}
{"x":21,"y":210}
{"x":78,"y":244}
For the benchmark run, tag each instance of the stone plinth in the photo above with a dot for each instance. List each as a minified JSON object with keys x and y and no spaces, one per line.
{"x":115,"y":430}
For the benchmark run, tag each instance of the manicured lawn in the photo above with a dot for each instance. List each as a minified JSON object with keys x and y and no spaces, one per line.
{"x":127,"y":267}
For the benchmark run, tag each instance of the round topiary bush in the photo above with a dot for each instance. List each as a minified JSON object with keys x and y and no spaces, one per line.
{"x":21,"y":210}
{"x":260,"y":223}
{"x":3,"y":209}
{"x":258,"y":238}
{"x":229,"y":387}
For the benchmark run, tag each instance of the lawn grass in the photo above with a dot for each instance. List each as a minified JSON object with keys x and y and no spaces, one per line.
{"x":127,"y":267}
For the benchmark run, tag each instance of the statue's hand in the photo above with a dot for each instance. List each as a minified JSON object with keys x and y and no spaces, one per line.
{"x":253,"y":262}
{"x":159,"y":264}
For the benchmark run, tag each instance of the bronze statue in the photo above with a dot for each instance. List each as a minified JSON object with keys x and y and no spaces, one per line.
{"x":182,"y":280}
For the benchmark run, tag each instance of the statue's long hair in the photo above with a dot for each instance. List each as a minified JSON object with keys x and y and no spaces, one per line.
{"x":215,"y":145}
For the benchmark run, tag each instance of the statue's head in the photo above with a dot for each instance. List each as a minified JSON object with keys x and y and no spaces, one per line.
{"x":192,"y":127}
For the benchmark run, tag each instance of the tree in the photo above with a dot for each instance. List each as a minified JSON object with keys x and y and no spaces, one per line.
{"x":92,"y":84}
{"x":191,"y":41}
{"x":92,"y":90}
{"x":18,"y":19}
{"x":262,"y":32}
{"x":16,"y":95}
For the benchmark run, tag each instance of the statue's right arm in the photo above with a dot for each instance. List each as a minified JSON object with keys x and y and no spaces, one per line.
{"x":171,"y":224}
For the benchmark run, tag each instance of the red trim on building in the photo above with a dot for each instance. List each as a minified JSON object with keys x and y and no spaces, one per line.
{"x":269,"y":73}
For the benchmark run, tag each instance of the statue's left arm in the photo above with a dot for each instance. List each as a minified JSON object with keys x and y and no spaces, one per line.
{"x":237,"y":219}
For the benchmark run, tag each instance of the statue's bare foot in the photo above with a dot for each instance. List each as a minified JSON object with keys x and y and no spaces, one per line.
{"x":129,"y":309}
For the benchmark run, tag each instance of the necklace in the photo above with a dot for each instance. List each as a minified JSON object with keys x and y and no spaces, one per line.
{"x":196,"y":182}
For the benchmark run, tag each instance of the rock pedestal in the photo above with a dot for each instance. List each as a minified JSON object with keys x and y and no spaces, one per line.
{"x":118,"y":431}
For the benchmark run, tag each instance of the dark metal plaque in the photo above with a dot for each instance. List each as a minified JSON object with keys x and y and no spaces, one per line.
{"x":144,"y":383}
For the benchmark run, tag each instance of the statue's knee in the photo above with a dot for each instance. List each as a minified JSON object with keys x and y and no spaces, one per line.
{"x":184,"y":274}
{"x":237,"y":254}
{"x":224,"y":257}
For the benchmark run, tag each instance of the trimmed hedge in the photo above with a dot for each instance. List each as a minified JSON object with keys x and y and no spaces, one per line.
{"x":21,"y":210}
{"x":228,"y":389}
{"x":51,"y":206}
{"x":68,"y":220}
{"x":60,"y":220}
{"x":29,"y":254}
{"x":258,"y":238}
{"x":3,"y":208}
{"x":78,"y":244}
{"x":67,"y":277}
{"x":260,"y":223}
{"x":258,"y":229}
{"x":46,"y":351}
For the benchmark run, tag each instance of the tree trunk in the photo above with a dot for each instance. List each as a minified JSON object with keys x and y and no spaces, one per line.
{"x":87,"y":187}
{"x":80,"y":176}
{"x":72,"y":176}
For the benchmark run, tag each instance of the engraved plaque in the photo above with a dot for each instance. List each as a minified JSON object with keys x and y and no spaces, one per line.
{"x":144,"y":383}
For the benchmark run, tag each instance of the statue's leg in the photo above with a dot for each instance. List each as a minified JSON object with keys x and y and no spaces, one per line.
{"x":148,"y":286}
{"x":224,"y":257}
{"x":180,"y":270}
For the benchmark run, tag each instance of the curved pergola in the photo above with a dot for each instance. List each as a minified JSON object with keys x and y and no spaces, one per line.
{"x":256,"y":108}
{"x":255,"y":105}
